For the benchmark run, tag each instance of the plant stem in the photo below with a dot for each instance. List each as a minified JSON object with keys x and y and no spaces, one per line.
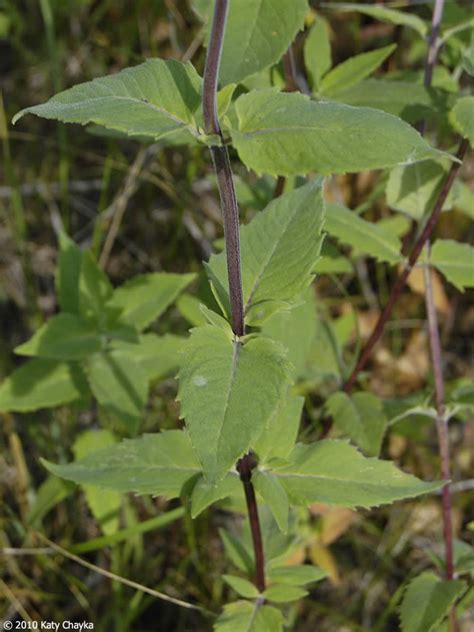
{"x":433,"y":42}
{"x":436,"y":354}
{"x":220,"y":158}
{"x":245,"y":470}
{"x":412,"y":259}
{"x":230,"y":211}
{"x":441,"y":422}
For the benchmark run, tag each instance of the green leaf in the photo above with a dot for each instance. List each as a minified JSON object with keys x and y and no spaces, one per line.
{"x":409,"y":100}
{"x":41,"y":383}
{"x":468,"y":61}
{"x":190,"y":308}
{"x":120,"y":385}
{"x":397,"y":225}
{"x":294,"y":329}
{"x":361,"y":417}
{"x":223,"y":399}
{"x":257,"y":34}
{"x":332,"y":261}
{"x":274,"y":495}
{"x":463,"y":198}
{"x":463,"y":611}
{"x":284,"y":593}
{"x":158,"y":356}
{"x":95,"y":290}
{"x":279,"y":437}
{"x":353,"y":70}
{"x":427,"y":601}
{"x":237,"y":552}
{"x":146,"y":296}
{"x":462,"y":118}
{"x":288,"y":230}
{"x":63,"y":337}
{"x":325,"y":354}
{"x":205,"y":494}
{"x":243,"y":616}
{"x":154,"y":99}
{"x":242,"y":586}
{"x":336,"y":473}
{"x":317,"y":52}
{"x":413,"y":189}
{"x":288,"y":134}
{"x":366,"y":237}
{"x":455,"y":260}
{"x":68,"y":273}
{"x":104,"y":505}
{"x":158,"y":464}
{"x":278,"y":546}
{"x":463,"y":557}
{"x":296,"y":575}
{"x":384,"y":14}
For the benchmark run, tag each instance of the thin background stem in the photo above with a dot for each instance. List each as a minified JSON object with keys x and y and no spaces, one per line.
{"x":433,"y":329}
{"x":436,"y":353}
{"x":412,"y":259}
{"x":230,"y":211}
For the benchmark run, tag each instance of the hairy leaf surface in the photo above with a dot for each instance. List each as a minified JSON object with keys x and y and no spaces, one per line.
{"x":288,"y":134}
{"x":257,"y":34}
{"x":154,"y":99}
{"x":335,"y":473}
{"x":279,"y":250}
{"x":365,"y":236}
{"x":224,"y":400}
{"x":294,"y":329}
{"x":158,"y":464}
{"x":205,"y":494}
{"x":279,"y":437}
{"x":361,"y":417}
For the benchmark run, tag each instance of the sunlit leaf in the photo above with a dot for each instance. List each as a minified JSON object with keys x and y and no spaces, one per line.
{"x":223,"y":399}
{"x":288,"y":134}
{"x":335,"y":473}
{"x":158,"y":464}
{"x":154,"y":99}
